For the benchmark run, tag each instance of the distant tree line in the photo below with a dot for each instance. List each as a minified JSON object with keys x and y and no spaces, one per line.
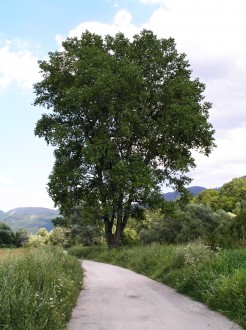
{"x":9,"y":238}
{"x":218,"y":218}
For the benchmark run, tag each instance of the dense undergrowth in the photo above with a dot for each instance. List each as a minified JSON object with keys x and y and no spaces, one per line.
{"x":38,"y":289}
{"x":217,"y":278}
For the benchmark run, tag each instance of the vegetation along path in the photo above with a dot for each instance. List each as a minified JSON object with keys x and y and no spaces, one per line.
{"x":116,"y":298}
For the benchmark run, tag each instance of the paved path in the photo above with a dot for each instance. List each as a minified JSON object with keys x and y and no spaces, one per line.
{"x":118,"y":299}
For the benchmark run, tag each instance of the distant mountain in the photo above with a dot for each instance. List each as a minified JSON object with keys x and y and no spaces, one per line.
{"x":2,"y":215}
{"x":170,"y":196}
{"x":29,"y":218}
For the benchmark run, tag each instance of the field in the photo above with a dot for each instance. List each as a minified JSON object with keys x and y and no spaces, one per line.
{"x":38,"y":288}
{"x":216,"y":278}
{"x":13,"y":252}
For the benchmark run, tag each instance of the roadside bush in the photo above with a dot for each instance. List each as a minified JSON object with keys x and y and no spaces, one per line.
{"x":129,"y":237}
{"x":191,"y":255}
{"x":161,"y":228}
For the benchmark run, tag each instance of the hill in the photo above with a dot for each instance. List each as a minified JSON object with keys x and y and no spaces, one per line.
{"x":29,"y":218}
{"x":170,"y":196}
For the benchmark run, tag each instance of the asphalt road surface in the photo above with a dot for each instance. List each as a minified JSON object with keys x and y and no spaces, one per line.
{"x":118,"y":299}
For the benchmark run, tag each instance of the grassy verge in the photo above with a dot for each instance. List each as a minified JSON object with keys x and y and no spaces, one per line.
{"x":217,"y":279}
{"x":5,"y":252}
{"x":38,"y":289}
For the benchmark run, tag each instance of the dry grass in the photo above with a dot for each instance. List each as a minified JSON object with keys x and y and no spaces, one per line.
{"x":13,"y":252}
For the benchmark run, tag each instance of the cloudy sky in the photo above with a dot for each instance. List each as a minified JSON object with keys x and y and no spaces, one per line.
{"x":211,"y":33}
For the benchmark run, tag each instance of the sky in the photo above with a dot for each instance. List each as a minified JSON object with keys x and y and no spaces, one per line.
{"x":211,"y":34}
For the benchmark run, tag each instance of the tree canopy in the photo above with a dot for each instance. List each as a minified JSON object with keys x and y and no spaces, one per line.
{"x":228,"y":198}
{"x":124,"y":117}
{"x":7,"y":236}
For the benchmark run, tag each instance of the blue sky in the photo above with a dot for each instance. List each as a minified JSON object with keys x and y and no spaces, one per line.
{"x":211,"y":33}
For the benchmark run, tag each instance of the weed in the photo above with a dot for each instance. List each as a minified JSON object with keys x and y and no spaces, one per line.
{"x":38,"y":289}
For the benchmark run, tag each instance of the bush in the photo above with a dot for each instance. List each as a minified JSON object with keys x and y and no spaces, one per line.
{"x":161,"y":228}
{"x":36,"y":241}
{"x":129,"y":237}
{"x":196,"y":221}
{"x":7,"y":236}
{"x":59,"y":236}
{"x":21,"y":237}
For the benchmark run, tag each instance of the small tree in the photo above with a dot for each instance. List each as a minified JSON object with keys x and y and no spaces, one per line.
{"x":59,"y":236}
{"x":232,"y":193}
{"x":208,"y":197}
{"x":21,"y":237}
{"x":125,"y":117}
{"x":7,"y":236}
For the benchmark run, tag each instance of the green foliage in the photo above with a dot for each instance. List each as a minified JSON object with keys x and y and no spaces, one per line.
{"x":190,"y":255}
{"x":239,"y":224}
{"x":216,"y":278}
{"x":7,"y":237}
{"x":82,"y":227}
{"x":200,"y":222}
{"x":195,"y":221}
{"x":60,"y":222}
{"x":227,"y":198}
{"x":231,"y":193}
{"x":208,"y":197}
{"x":125,"y":117}
{"x":129,"y":237}
{"x":59,"y":236}
{"x":77,"y":231}
{"x":43,"y":233}
{"x":21,"y":237}
{"x":163,"y":230}
{"x":38,"y":290}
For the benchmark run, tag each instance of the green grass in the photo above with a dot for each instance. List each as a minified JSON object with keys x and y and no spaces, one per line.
{"x":38,"y":289}
{"x":217,"y":279}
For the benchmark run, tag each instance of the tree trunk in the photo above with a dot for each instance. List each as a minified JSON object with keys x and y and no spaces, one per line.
{"x":121,"y":215}
{"x":113,"y":239}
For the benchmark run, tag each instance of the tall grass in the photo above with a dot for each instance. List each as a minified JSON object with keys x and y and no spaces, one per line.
{"x":216,"y":278}
{"x":38,"y":289}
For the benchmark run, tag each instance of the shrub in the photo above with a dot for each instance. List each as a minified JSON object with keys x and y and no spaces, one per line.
{"x":7,"y":237}
{"x":21,"y":237}
{"x":59,"y":236}
{"x":129,"y":237}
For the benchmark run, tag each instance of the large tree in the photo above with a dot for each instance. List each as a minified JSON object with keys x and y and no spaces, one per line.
{"x":124,"y":118}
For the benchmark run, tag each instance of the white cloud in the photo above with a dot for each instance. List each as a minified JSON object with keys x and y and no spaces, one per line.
{"x":151,"y":2}
{"x":17,"y":65}
{"x":207,"y":28}
{"x":12,"y":197}
{"x":5,"y":181}
{"x":121,"y":23}
{"x":122,"y":18}
{"x":225,"y":162}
